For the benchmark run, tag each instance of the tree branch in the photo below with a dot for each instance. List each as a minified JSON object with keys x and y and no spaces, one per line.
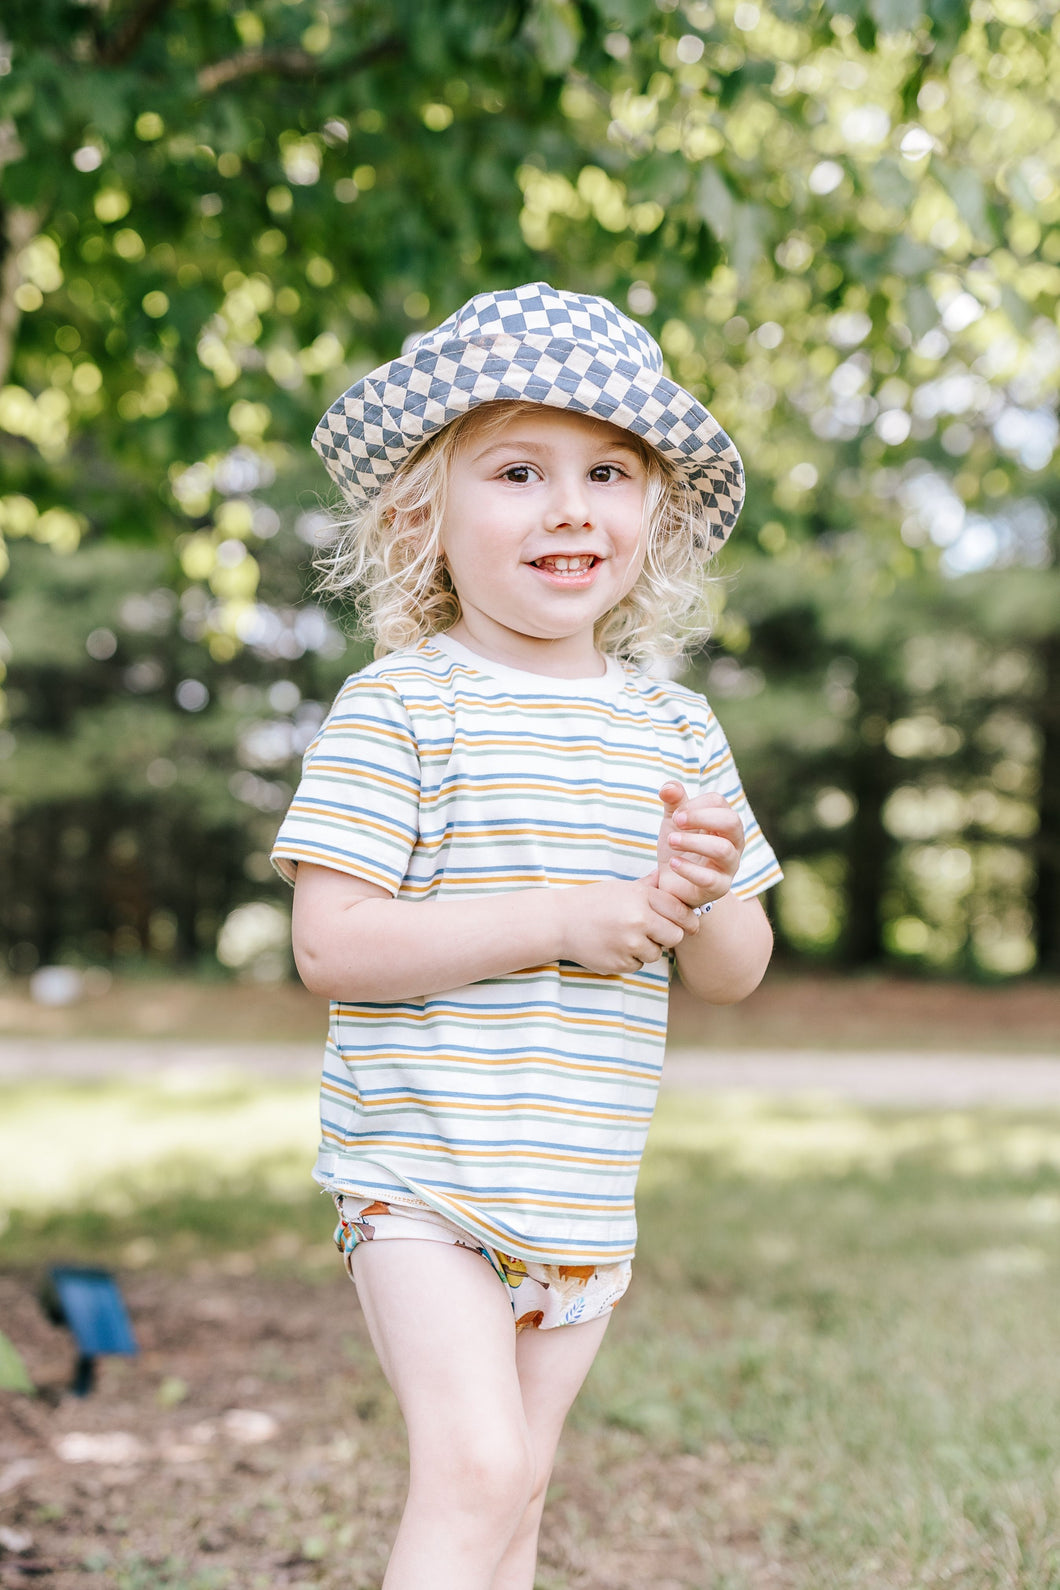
{"x":17,"y":227}
{"x":122,"y":43}
{"x":280,"y":63}
{"x":288,"y":63}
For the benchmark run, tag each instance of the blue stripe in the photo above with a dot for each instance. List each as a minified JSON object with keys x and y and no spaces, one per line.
{"x":342,"y":856}
{"x":363,"y":765}
{"x":501,"y":1098}
{"x":541,"y":739}
{"x":516,"y":1192}
{"x":438,"y":1005}
{"x":561,"y":782}
{"x":559,"y":791}
{"x":547,"y":868}
{"x":540,"y":1057}
{"x":496,"y":1144}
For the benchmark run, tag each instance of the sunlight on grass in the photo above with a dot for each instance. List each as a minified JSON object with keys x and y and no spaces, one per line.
{"x":860,"y":1308}
{"x":62,"y":1140}
{"x":850,"y":1313}
{"x":751,"y":1134}
{"x":104,"y":1142}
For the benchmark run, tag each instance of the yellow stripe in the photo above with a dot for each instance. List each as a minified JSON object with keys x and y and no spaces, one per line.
{"x":404,"y":787}
{"x":502,"y":1156}
{"x":493,"y":1063}
{"x":387,"y":1102}
{"x":356,"y":868}
{"x":460,"y":1013}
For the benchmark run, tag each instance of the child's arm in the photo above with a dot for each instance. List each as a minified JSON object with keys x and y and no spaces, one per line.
{"x":354,"y":941}
{"x":701,"y":841}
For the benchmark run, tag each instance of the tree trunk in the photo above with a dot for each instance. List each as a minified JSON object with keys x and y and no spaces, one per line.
{"x":1045,"y":900}
{"x":869,"y":846}
{"x":17,"y":226}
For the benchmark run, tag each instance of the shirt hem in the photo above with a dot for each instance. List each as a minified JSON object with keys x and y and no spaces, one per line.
{"x":335,"y":1182}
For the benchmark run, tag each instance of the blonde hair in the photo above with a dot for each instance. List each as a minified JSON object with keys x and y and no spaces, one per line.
{"x":388,"y":557}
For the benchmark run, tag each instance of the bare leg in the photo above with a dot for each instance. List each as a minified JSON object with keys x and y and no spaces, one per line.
{"x":552,"y":1365}
{"x":452,"y":1365}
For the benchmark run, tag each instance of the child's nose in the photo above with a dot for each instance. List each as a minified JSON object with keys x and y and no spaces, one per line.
{"x":569,"y":506}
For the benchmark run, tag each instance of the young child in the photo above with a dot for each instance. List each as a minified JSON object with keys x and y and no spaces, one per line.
{"x":505,"y":836}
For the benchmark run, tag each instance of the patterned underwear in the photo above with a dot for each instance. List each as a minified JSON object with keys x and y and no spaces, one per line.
{"x":542,"y":1296}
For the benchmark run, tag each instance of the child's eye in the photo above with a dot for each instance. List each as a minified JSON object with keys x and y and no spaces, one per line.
{"x":603,"y":474}
{"x":519,"y":474}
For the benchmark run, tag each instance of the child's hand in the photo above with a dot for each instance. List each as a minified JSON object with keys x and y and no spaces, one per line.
{"x":619,"y":927}
{"x":700,"y":844}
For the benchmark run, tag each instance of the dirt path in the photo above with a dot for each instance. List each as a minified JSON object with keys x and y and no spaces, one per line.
{"x":930,"y":1079}
{"x":254,"y":1446}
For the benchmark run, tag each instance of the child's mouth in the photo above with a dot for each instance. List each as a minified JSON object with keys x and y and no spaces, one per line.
{"x":565,"y":567}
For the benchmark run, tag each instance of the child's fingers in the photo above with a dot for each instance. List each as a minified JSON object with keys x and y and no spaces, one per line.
{"x":711,"y":848}
{"x":676,"y":911}
{"x":709,"y":814}
{"x":685,"y":894}
{"x":701,"y":877}
{"x":663,"y":936}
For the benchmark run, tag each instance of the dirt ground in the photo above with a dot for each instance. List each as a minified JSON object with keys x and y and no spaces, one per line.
{"x":253,"y":1443}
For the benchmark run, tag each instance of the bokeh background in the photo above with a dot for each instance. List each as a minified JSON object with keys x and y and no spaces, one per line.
{"x":837,"y":1364}
{"x":842,"y":222}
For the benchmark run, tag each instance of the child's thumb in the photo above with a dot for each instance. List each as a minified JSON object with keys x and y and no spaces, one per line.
{"x":672,"y":793}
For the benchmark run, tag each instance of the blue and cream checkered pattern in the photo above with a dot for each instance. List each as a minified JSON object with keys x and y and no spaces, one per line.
{"x":538,"y":345}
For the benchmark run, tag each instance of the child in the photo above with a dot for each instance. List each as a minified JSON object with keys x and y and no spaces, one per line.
{"x":504,"y":835}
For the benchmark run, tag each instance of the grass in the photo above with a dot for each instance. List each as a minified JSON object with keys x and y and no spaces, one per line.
{"x":855,"y":1309}
{"x":880,"y":1338}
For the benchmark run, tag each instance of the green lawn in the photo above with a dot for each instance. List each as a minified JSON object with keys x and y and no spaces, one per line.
{"x":867,"y":1305}
{"x":856,"y":1307}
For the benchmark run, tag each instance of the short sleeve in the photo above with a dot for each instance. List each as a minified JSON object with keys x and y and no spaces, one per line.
{"x":356,"y":807}
{"x":759,"y":868}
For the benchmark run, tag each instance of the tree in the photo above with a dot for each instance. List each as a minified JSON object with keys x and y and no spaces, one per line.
{"x":841,"y":221}
{"x":149,"y":778}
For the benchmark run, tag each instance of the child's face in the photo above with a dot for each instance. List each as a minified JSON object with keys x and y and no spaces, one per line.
{"x":542,"y":535}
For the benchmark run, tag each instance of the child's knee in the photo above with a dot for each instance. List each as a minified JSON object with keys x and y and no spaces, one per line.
{"x":489,"y":1473}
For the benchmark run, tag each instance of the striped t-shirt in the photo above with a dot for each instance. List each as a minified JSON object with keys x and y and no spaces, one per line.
{"x":517,"y":1106}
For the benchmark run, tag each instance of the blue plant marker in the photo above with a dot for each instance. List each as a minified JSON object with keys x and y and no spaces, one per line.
{"x":90,"y":1304}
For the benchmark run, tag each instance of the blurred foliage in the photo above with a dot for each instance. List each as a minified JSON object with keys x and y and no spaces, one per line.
{"x":892,"y":748}
{"x":149,"y":777}
{"x":843,"y":223}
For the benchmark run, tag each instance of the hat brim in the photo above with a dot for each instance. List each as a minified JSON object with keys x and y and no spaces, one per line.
{"x":373,"y":428}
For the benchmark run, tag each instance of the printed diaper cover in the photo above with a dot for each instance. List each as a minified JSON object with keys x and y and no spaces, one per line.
{"x":543,"y":1296}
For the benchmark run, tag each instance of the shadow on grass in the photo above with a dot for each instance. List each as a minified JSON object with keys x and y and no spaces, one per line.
{"x":125,"y":1226}
{"x":850,"y":1313}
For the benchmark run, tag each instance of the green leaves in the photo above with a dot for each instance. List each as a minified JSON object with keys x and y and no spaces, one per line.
{"x":895,"y":16}
{"x":630,"y":15}
{"x":840,"y":221}
{"x":966,"y":188}
{"x":555,"y":30}
{"x":715,"y":203}
{"x":13,"y":1375}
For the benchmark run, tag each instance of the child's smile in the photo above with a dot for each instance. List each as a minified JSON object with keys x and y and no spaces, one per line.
{"x":558,"y":564}
{"x":543,"y":534}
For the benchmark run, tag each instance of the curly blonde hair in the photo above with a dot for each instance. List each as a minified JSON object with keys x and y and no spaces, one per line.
{"x":388,"y":557}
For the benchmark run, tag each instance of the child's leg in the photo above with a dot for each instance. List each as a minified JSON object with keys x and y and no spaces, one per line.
{"x":552,"y":1365}
{"x":443,"y":1328}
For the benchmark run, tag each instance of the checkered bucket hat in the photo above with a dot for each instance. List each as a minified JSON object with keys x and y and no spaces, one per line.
{"x":538,"y":345}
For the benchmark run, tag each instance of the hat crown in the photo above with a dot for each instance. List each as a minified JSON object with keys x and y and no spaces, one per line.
{"x":573,"y":352}
{"x":543,"y":313}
